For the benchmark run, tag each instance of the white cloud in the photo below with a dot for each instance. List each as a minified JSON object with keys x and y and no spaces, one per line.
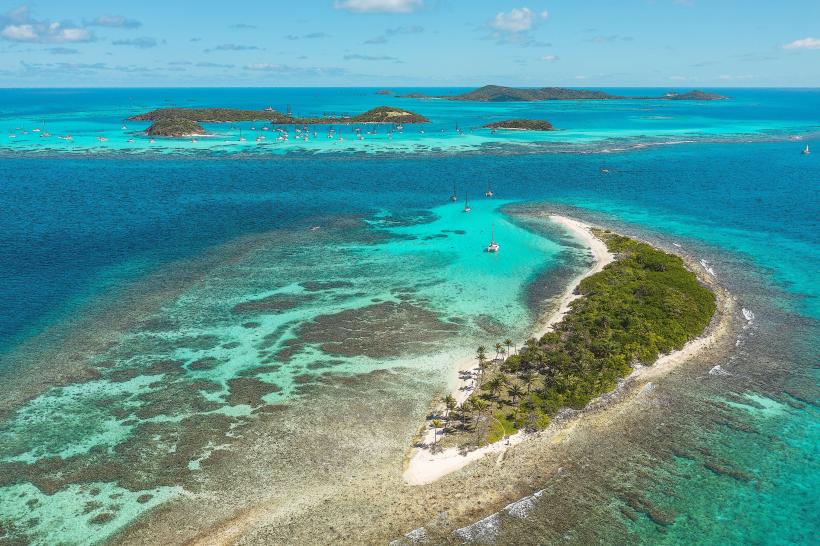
{"x":805,"y":43}
{"x":45,"y":33}
{"x":379,"y":6}
{"x":18,"y":26}
{"x":517,"y":20}
{"x":549,"y":58}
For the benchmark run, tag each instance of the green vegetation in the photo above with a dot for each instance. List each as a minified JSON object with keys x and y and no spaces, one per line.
{"x":169,"y":121}
{"x":175,"y":127}
{"x":522,"y":124}
{"x":644,"y":304}
{"x":500,"y":93}
{"x":693,"y":95}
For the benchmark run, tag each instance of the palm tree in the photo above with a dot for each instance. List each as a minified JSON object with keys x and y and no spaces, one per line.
{"x":450,"y":404}
{"x":463,"y":410}
{"x":527,"y":378}
{"x":436,"y":424}
{"x":508,"y":342}
{"x":515,"y":392}
{"x":479,"y":406}
{"x":483,"y":365}
{"x":498,"y":350}
{"x":495,"y":385}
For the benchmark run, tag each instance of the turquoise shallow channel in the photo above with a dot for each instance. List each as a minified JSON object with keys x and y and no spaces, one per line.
{"x":194,"y":332}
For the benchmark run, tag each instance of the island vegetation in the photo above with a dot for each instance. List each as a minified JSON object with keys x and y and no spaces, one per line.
{"x":521,"y":125}
{"x":694,"y":95}
{"x":500,"y":93}
{"x":174,"y":127}
{"x":643,"y":304}
{"x":186,"y":121}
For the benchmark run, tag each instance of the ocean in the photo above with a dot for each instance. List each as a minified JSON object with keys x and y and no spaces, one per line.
{"x":201,"y":327}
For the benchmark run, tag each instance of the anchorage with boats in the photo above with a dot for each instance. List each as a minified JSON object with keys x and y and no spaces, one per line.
{"x":493,"y":246}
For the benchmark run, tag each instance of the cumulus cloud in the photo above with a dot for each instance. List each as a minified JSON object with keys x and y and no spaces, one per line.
{"x":17,"y":25}
{"x":549,"y":58}
{"x":379,"y":6}
{"x":141,"y":43}
{"x":517,"y":20}
{"x":805,"y":43}
{"x":114,"y":21}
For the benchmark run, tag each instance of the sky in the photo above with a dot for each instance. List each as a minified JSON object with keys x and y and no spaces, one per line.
{"x":410,"y":43}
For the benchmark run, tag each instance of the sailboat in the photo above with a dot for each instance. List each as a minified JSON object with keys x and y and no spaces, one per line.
{"x":466,"y":204}
{"x":806,"y":150}
{"x":241,"y":138}
{"x":454,"y":197}
{"x":493,"y":246}
{"x":489,"y":192}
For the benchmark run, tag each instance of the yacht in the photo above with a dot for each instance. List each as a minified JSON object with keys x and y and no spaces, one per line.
{"x":466,"y":204}
{"x":806,"y":150}
{"x":454,"y":197}
{"x":493,"y":246}
{"x":489,"y":192}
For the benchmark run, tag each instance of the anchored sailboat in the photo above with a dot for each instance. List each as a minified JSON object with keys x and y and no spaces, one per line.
{"x":493,"y":246}
{"x":466,"y":204}
{"x":489,"y":192}
{"x":454,"y":197}
{"x":806,"y":150}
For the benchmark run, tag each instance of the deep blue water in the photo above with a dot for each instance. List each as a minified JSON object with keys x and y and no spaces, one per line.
{"x":69,"y":225}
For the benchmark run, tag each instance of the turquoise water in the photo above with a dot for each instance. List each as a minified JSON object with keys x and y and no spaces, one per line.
{"x":95,"y":121}
{"x":157,"y":296}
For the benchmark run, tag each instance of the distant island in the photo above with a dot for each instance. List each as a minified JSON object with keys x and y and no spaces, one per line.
{"x":521,"y":125}
{"x":693,"y":95}
{"x":179,"y":122}
{"x":384,"y":92}
{"x":498,"y":93}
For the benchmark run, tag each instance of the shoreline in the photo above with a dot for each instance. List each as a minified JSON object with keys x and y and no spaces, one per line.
{"x":423,"y":467}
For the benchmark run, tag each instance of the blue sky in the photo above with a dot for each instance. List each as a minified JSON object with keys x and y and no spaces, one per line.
{"x":665,"y":43}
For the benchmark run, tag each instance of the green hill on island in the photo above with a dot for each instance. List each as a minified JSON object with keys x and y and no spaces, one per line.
{"x":185,"y":121}
{"x":521,"y":125}
{"x":500,"y":93}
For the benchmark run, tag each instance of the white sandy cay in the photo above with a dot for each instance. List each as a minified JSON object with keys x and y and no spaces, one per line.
{"x":425,"y":467}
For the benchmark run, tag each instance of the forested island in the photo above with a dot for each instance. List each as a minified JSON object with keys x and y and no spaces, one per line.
{"x":643,"y":304}
{"x":499,"y":93}
{"x":186,"y":121}
{"x":521,"y":125}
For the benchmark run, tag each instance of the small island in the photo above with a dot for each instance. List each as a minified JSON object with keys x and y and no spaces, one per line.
{"x":639,"y":304}
{"x":521,"y":125}
{"x":500,"y":93}
{"x":181,"y":122}
{"x":384,"y":92}
{"x":694,"y":95}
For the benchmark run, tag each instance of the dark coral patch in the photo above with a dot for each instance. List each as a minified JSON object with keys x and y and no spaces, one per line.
{"x":274,"y":304}
{"x":249,"y":391}
{"x":315,"y":286}
{"x":377,"y":331}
